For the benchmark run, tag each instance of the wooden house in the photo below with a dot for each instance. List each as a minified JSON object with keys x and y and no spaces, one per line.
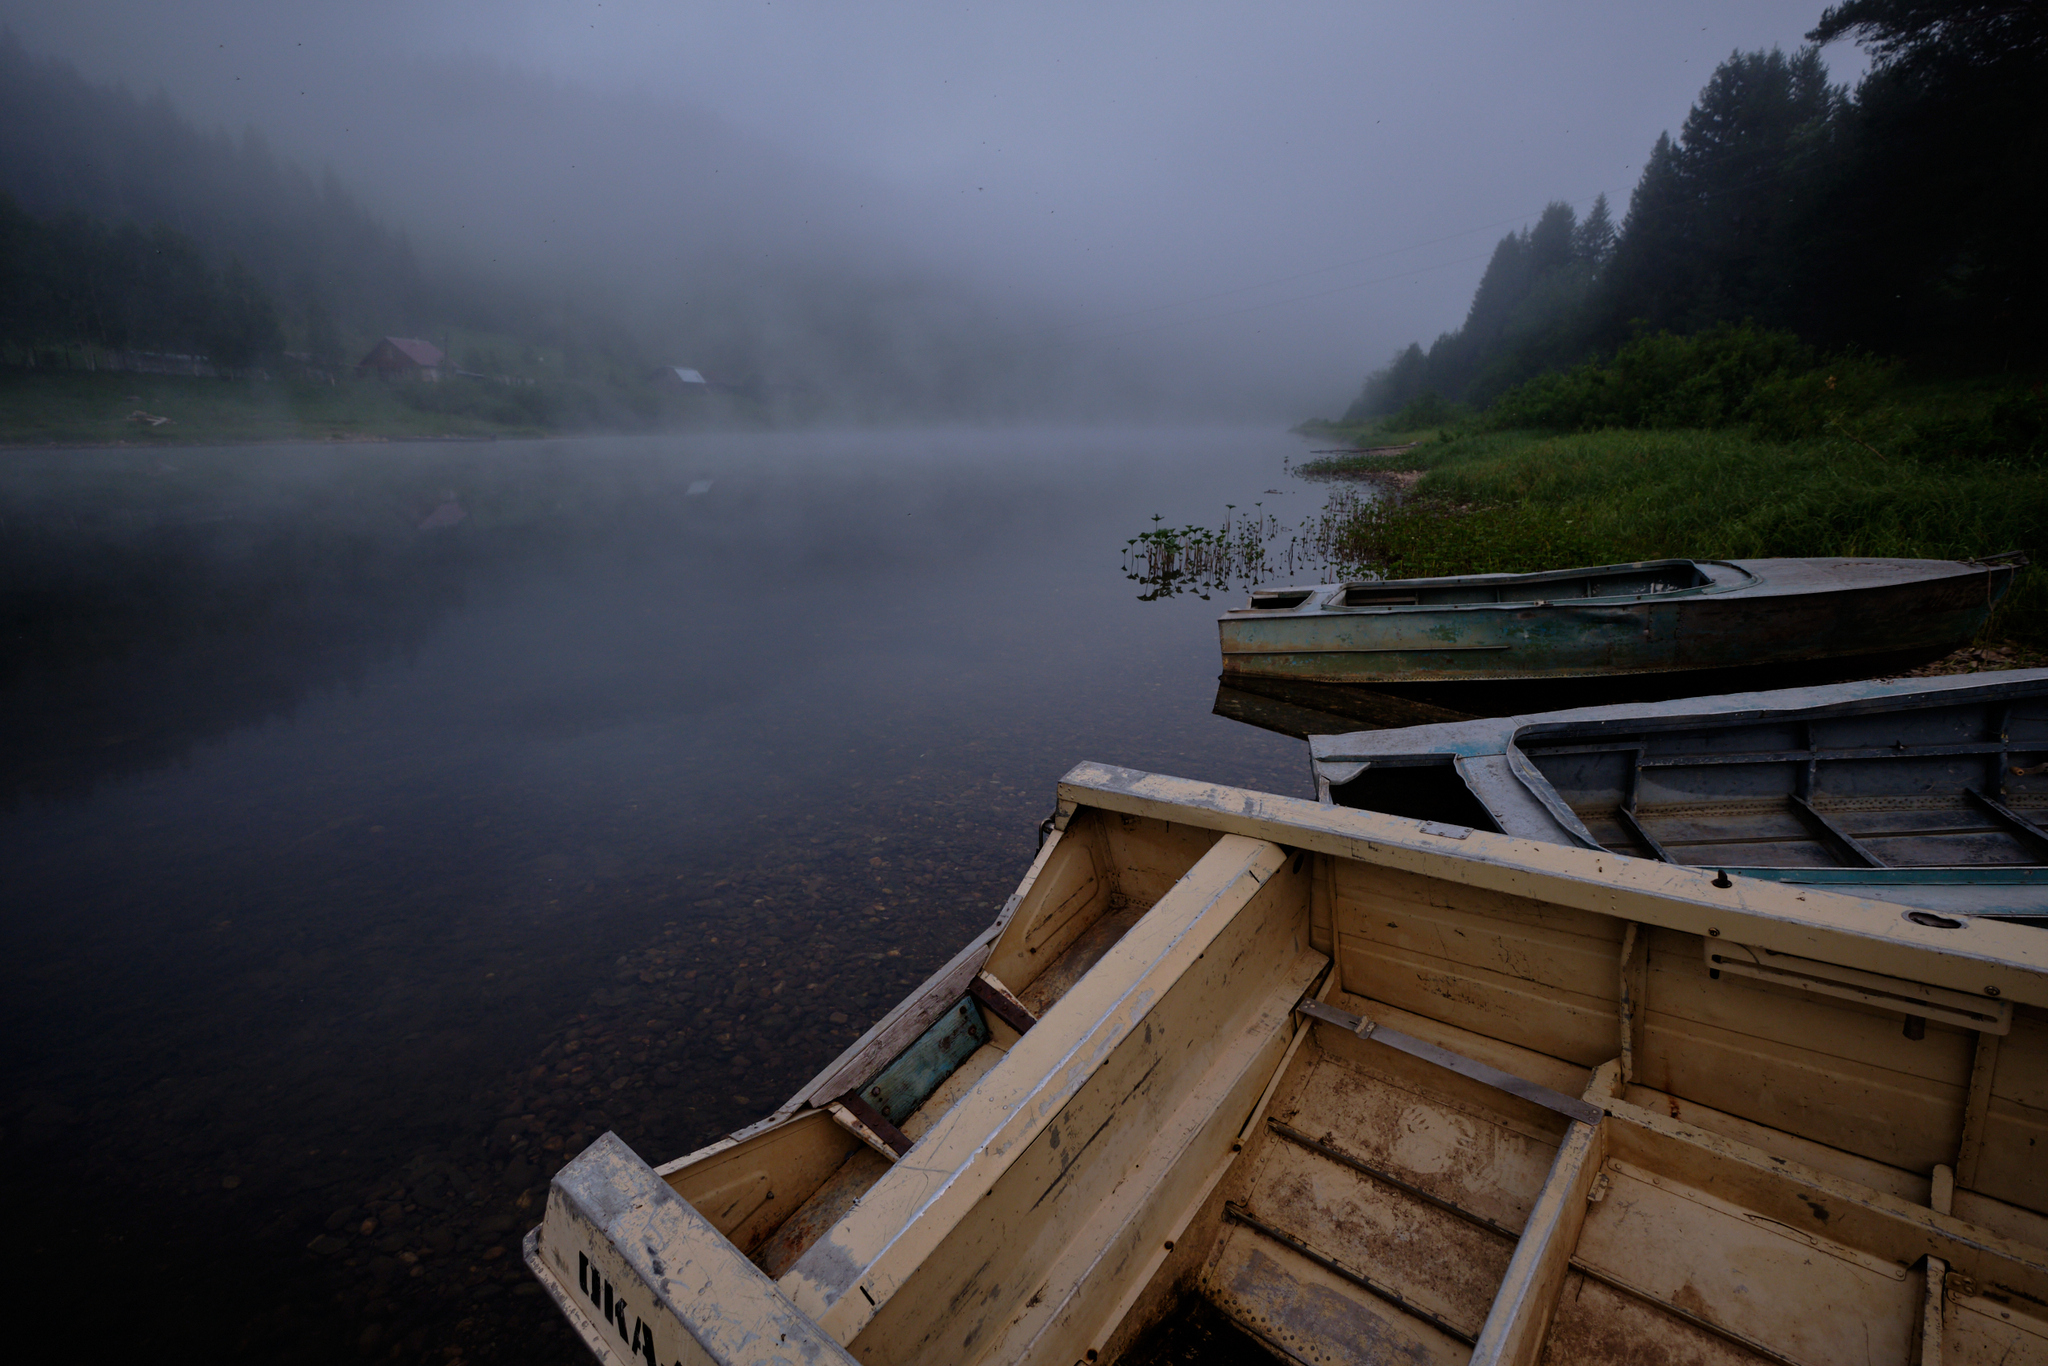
{"x":405,"y":358}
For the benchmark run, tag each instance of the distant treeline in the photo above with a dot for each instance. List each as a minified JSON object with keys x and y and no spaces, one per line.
{"x":127,"y":228}
{"x":1778,"y":388}
{"x":1904,"y":218}
{"x":74,"y":282}
{"x":789,"y":331}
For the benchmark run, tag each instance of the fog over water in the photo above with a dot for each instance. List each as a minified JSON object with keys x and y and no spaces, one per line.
{"x":1198,"y":207}
{"x":380,"y":823}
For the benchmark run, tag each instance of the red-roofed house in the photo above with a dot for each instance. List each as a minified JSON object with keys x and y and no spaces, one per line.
{"x":404,"y":358}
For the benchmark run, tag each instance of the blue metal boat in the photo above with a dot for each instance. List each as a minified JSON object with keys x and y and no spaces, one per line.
{"x":1928,"y":792}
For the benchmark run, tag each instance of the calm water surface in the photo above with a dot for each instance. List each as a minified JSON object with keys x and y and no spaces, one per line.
{"x":379,"y":824}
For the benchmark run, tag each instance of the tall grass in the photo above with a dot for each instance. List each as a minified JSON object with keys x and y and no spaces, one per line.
{"x":1510,"y":501}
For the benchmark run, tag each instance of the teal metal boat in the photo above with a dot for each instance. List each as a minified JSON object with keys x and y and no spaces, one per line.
{"x":1493,"y":643}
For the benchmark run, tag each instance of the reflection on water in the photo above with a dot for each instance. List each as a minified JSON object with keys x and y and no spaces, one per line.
{"x":364,"y":859}
{"x":1298,"y":708}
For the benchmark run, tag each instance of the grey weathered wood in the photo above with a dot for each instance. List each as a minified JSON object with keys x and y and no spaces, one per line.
{"x":1803,"y":921}
{"x":1570,"y":1106}
{"x":1208,"y":1108}
{"x":1514,"y":1332}
{"x":672,"y":1289}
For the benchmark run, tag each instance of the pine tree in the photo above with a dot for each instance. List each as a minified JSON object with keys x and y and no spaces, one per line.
{"x":323,"y":343}
{"x":1939,"y":34}
{"x":1593,"y":242}
{"x":1549,"y":242}
{"x":1938,"y":194}
{"x":1653,"y":256}
{"x":245,"y":328}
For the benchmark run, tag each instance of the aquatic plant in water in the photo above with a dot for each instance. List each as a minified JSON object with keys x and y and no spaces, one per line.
{"x":1170,"y":561}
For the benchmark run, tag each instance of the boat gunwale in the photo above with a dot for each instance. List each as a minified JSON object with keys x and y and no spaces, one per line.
{"x":1319,"y":599}
{"x":1759,"y":706}
{"x":1322,"y":598}
{"x":1874,"y":1219}
{"x":1550,"y":575}
{"x":1539,"y":786}
{"x":1812,"y":922}
{"x":1339,"y":759}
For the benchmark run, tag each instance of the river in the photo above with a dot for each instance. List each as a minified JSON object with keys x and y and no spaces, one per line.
{"x":382,"y":822}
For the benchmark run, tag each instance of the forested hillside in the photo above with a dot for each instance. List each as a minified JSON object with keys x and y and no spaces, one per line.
{"x":124,"y":226}
{"x":1901,"y":218}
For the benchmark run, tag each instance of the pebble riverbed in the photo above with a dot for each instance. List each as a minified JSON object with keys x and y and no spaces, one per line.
{"x":360,"y":872}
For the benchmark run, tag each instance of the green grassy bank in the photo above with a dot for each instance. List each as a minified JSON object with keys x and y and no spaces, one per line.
{"x":80,"y":407}
{"x":1509,"y":500}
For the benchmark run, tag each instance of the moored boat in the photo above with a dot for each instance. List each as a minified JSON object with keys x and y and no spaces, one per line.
{"x":1374,"y":1089}
{"x":1487,"y":643}
{"x":1931,"y":792}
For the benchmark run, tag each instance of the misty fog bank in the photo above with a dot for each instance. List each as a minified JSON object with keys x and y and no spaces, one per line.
{"x":540,"y":240}
{"x":1083,"y":211}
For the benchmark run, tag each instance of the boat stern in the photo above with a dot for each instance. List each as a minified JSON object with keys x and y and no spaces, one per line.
{"x":643,"y":1277}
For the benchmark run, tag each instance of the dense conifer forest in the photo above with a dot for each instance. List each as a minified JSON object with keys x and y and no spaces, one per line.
{"x":134,"y":239}
{"x":1902,"y":218}
{"x":123,"y":227}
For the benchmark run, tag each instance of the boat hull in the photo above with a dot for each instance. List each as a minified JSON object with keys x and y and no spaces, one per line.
{"x":1825,"y":619}
{"x":1371,"y":1089}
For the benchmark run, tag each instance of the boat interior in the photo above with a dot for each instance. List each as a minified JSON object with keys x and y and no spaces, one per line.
{"x":1961,"y":784}
{"x":1376,"y":1090}
{"x":1622,"y":581}
{"x":860,"y":1116}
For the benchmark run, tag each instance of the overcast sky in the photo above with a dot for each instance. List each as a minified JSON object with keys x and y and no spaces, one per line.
{"x":1272,"y":197}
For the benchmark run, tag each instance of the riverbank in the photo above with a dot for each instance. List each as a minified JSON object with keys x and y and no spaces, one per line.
{"x":1479,"y":502}
{"x":68,"y":408}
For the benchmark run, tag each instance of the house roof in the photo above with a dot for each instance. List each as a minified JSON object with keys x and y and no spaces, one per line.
{"x":687,"y":376}
{"x":417,"y":351}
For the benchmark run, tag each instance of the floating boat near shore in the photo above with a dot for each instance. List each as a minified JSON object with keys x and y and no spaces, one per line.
{"x":1932,"y":792}
{"x":1374,"y":1090}
{"x":1487,"y":643}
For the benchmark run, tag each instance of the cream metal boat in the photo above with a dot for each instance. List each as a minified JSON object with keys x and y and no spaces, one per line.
{"x":1376,"y":1090}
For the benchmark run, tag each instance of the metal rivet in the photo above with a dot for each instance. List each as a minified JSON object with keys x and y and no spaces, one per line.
{"x":1715,"y":933}
{"x":1991,"y":991}
{"x":1721,"y":879}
